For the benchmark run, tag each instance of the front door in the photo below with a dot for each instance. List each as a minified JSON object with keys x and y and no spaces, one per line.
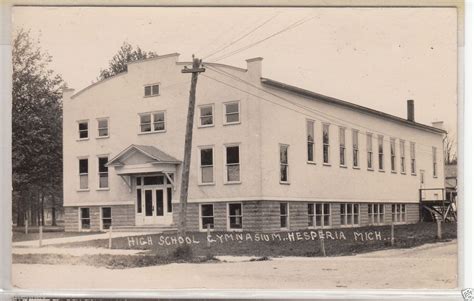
{"x":153,"y":203}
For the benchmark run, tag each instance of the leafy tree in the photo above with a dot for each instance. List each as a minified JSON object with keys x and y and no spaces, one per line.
{"x":119,"y":61}
{"x":36,"y":130}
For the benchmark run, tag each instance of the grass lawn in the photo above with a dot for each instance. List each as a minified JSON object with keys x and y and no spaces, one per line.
{"x":337,"y":242}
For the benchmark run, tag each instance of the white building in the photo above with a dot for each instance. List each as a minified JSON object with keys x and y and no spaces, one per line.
{"x":266,"y":156}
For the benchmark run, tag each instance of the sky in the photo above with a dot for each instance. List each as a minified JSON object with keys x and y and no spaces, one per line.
{"x":374,"y":57}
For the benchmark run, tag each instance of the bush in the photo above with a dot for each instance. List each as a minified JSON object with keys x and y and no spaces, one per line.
{"x":184,"y":252}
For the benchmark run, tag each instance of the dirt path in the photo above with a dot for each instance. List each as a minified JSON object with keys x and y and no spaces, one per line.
{"x":428,"y":266}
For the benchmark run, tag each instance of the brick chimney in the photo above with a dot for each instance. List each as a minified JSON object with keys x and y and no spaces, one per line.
{"x":411,"y":110}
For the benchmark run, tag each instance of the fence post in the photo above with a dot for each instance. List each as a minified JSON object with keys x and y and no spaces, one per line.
{"x":40,"y":236}
{"x":439,"y":234}
{"x":392,"y":234}
{"x":26,"y":226}
{"x":110,"y":237}
{"x":323,"y":247}
{"x":208,"y":234}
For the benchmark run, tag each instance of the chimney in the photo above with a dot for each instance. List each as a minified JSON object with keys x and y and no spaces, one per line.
{"x":411,"y":110}
{"x":67,"y":93}
{"x":438,"y":125}
{"x":254,"y":68}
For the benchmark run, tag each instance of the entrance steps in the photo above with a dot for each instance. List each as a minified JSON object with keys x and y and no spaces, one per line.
{"x":146,"y":229}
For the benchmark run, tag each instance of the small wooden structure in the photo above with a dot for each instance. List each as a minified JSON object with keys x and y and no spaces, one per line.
{"x":437,"y":204}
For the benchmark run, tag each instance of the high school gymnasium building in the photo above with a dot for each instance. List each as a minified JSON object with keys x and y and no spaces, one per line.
{"x":266,"y":156}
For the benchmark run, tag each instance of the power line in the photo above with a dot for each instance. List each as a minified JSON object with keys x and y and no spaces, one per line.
{"x":291,"y":26}
{"x":289,"y":108}
{"x":241,"y":38}
{"x":325,"y":115}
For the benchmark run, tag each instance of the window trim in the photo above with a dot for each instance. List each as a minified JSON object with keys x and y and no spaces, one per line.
{"x":151,"y":85}
{"x":434,"y":163}
{"x":355,"y":149}
{"x":201,"y":226}
{"x":228,"y":216}
{"x":342,"y":146}
{"x":152,"y":122}
{"x":287,"y":182}
{"x":399,"y":213}
{"x":393,"y":155}
{"x":412,"y":158}
{"x":102,"y":217}
{"x":287,"y":215}
{"x":201,"y":147}
{"x":380,"y":138}
{"x":403,"y":163}
{"x":313,"y":123}
{"x":79,"y":213}
{"x":225,"y":112}
{"x":375,"y":217}
{"x":328,"y":144}
{"x":200,"y":125}
{"x":352,"y":215}
{"x":79,"y":131}
{"x":225,"y":163}
{"x":99,"y":128}
{"x":370,"y":152}
{"x":323,"y":226}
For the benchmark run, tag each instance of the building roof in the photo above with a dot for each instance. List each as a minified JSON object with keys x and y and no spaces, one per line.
{"x":332,"y":100}
{"x":147,"y":150}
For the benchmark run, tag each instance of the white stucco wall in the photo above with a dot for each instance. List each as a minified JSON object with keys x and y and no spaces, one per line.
{"x":263,"y":126}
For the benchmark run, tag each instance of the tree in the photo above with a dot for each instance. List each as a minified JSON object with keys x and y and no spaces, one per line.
{"x":36,"y":129}
{"x":119,"y":61}
{"x":450,"y":156}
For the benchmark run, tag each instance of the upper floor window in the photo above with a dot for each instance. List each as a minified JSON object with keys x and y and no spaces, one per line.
{"x":380,"y":142}
{"x":435,"y":166}
{"x":402,"y":156}
{"x":284,"y":163}
{"x":83,"y":129}
{"x":152,"y":90}
{"x":152,"y":122}
{"x":206,"y":115}
{"x":412,"y":158}
{"x":103,"y":127}
{"x":393,"y":155}
{"x":342,"y":146}
{"x":370,"y":164}
{"x":207,"y":165}
{"x":232,"y":112}
{"x":310,"y":139}
{"x":355,"y":148}
{"x":103,"y":172}
{"x":232,"y":155}
{"x":326,"y":143}
{"x":83,"y":174}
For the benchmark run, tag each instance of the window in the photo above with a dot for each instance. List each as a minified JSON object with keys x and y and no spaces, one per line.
{"x":84,"y":174}
{"x":103,"y":127}
{"x":412,"y":158}
{"x":85,"y":218}
{"x":284,"y":215}
{"x":83,"y":129}
{"x":152,"y":122}
{"x":319,"y":215}
{"x":380,"y":141}
{"x":355,"y":148}
{"x":152,"y":90}
{"x":326,"y":143}
{"x":370,"y":164}
{"x":153,"y":180}
{"x":235,"y":216}
{"x":393,"y":155}
{"x":207,"y":165}
{"x":376,"y":214}
{"x":284,"y":163}
{"x":232,"y":113}
{"x":103,"y":172}
{"x":232,"y":163}
{"x":399,"y":213}
{"x":207,"y":216}
{"x":349,"y":214}
{"x":159,"y":202}
{"x":310,"y":139}
{"x":402,"y":157}
{"x":139,"y":199}
{"x":435,"y":167}
{"x":169,"y":198}
{"x":206,"y":117}
{"x":342,"y":146}
{"x":106,"y":218}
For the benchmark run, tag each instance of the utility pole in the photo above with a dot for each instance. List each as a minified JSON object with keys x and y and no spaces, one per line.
{"x":188,"y":141}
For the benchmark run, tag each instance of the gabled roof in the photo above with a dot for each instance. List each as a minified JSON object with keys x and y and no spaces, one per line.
{"x":332,"y":100}
{"x":148,"y":150}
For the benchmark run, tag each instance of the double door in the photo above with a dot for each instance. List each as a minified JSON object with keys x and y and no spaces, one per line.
{"x":155,"y":206}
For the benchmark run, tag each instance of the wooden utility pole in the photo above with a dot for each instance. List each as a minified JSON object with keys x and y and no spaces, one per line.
{"x":188,"y":141}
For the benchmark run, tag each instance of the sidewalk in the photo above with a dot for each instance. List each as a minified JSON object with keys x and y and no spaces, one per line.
{"x":79,"y":238}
